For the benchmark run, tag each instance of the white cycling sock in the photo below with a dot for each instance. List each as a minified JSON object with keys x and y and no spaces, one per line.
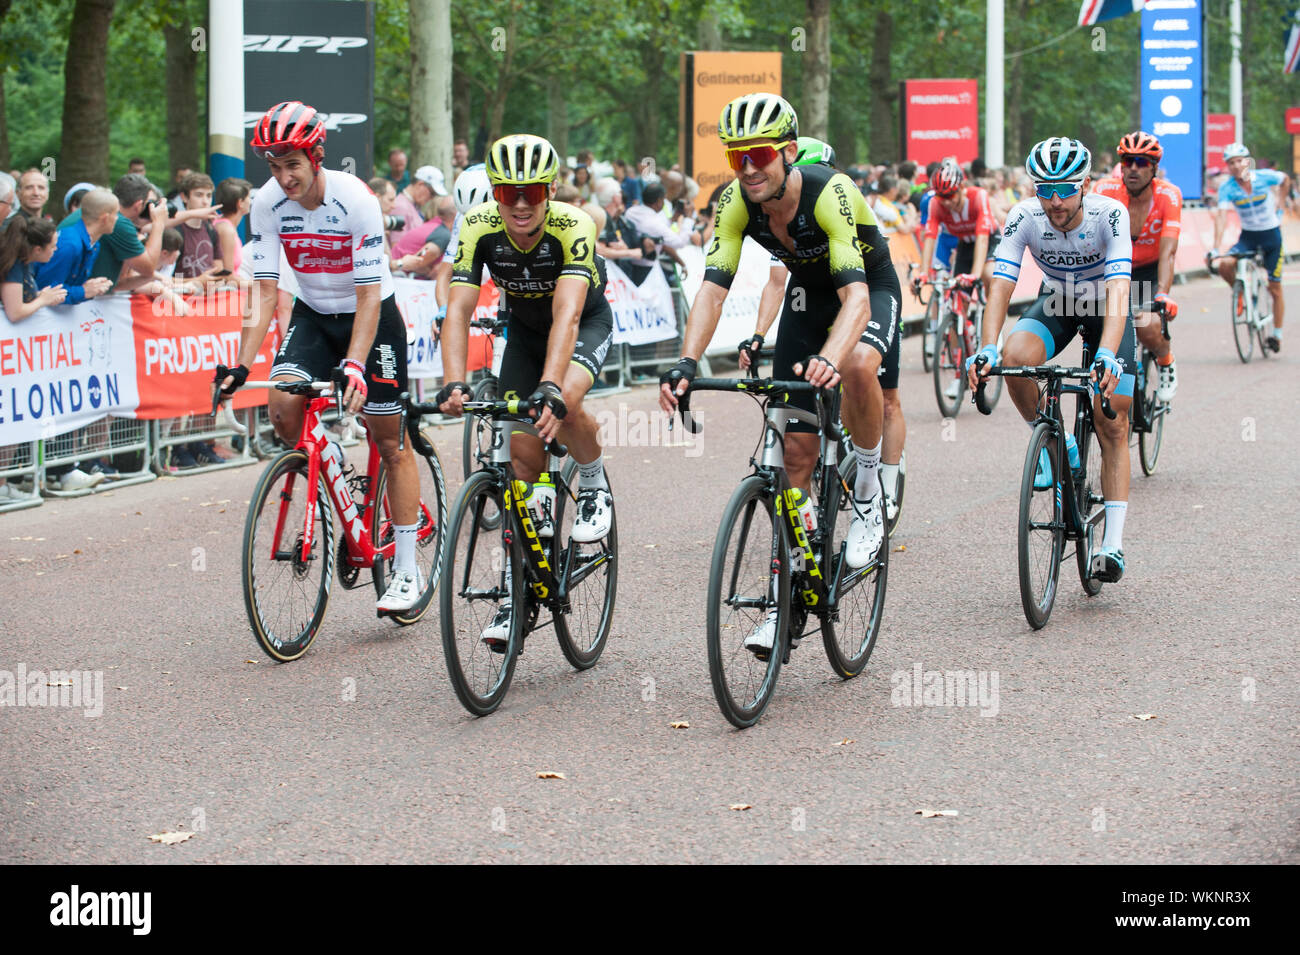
{"x":404,"y":557}
{"x":1277,"y":333}
{"x":889,"y":478}
{"x":593,"y":474}
{"x":1115,"y":513}
{"x":867,"y":484}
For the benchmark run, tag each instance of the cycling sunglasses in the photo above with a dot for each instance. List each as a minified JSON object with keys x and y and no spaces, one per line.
{"x":1140,"y":161}
{"x":758,"y":156}
{"x":534,"y":193}
{"x":1066,"y":190}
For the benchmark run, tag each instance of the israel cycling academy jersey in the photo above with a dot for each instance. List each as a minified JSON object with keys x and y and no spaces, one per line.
{"x":1076,"y":263}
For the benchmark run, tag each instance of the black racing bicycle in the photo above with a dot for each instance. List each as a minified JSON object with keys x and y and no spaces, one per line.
{"x":765,"y":559}
{"x":495,"y":558}
{"x":1071,"y":506}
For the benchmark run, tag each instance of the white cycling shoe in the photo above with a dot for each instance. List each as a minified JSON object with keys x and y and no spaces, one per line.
{"x":403,"y":593}
{"x":1168,"y":382}
{"x":497,"y":633}
{"x":595,"y":515}
{"x":866,"y":533}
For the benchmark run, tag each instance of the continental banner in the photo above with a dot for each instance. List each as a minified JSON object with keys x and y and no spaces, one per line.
{"x":710,"y":80}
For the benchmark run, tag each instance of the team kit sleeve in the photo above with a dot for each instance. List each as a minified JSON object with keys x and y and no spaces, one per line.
{"x":723,"y":258}
{"x":367,"y":227}
{"x":1011,"y":249}
{"x":263,"y":240}
{"x":579,"y":242}
{"x":932,"y":220}
{"x":468,"y":264}
{"x":1119,"y":246}
{"x":984,"y":224}
{"x":834,"y":213}
{"x":1173,"y":225}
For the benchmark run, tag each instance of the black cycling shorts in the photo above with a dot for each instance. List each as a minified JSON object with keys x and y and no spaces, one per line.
{"x":963,"y":259}
{"x":1144,"y":285}
{"x":807,"y":316}
{"x":315,"y":344}
{"x":1056,"y":320}
{"x":525,"y":355}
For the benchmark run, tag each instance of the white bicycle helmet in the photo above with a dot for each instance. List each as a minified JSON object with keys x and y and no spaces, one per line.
{"x":1059,"y":159}
{"x":1235,"y":151}
{"x":472,"y":188}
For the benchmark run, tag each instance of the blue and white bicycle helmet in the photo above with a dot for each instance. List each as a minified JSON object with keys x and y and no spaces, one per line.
{"x":1235,"y":151}
{"x":1059,"y":159}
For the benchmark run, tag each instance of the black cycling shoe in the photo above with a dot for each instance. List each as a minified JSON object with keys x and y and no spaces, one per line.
{"x":1274,"y":344}
{"x":1108,"y":565}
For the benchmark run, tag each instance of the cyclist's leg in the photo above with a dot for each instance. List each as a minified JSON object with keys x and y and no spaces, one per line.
{"x":1112,"y":436}
{"x":863,"y":408}
{"x":386,"y":380}
{"x":802,"y":333}
{"x":894,"y":427}
{"x":1038,"y":335}
{"x":1273,"y":265}
{"x":1142,"y":289}
{"x":306,"y":354}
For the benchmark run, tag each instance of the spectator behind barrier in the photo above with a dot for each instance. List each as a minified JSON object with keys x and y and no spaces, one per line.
{"x":234,"y":196}
{"x":33,"y":193}
{"x":8,"y":195}
{"x":25,"y":243}
{"x":201,"y":255}
{"x":73,"y":262}
{"x":398,"y":174}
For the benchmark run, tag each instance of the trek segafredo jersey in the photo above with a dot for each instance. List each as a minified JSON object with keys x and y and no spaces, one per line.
{"x":332,"y":249}
{"x":1077,"y":263}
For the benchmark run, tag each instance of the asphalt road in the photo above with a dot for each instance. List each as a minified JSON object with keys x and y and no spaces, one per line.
{"x":359,"y":752}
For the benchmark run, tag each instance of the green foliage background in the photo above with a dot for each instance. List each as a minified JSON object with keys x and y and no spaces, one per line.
{"x":616,"y":64}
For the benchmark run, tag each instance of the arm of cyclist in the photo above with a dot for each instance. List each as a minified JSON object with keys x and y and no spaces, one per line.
{"x":1112,"y":332}
{"x":925,"y":270}
{"x":566,"y":311}
{"x":995,"y":314}
{"x":461,"y":300}
{"x":769,"y":305}
{"x":262,"y":300}
{"x":1165,"y":274}
{"x":1220,"y":224}
{"x":981,"y":255}
{"x":364,"y":326}
{"x":700,"y":325}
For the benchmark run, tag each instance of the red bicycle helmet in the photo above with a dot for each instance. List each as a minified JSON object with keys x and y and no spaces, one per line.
{"x":1140,"y":144}
{"x":948,"y":178}
{"x":286,"y":127}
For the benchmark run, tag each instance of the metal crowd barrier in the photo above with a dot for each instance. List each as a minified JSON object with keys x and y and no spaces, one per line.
{"x":170,"y":433}
{"x":127,"y":441}
{"x":19,"y":466}
{"x":661,"y":354}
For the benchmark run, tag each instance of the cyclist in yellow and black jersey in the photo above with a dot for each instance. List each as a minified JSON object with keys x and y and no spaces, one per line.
{"x":841,"y":306}
{"x":542,"y":255}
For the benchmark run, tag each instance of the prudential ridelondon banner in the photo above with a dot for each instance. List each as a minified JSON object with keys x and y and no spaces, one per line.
{"x":1173,"y":104}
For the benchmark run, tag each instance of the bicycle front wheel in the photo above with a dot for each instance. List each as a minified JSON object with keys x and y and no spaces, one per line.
{"x":1091,"y":503}
{"x":1041,"y":535}
{"x":286,"y":585}
{"x":1150,"y":439}
{"x":749,"y":579}
{"x":850,"y":628}
{"x":428,"y":542}
{"x":1243,"y":335}
{"x":949,"y":357}
{"x":589,"y":575}
{"x":484,"y":578}
{"x":1263,"y":311}
{"x":928,"y":332}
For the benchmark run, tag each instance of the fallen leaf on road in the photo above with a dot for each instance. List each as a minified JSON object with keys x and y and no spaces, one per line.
{"x":844,"y":742}
{"x":60,"y":556}
{"x":124,"y":688}
{"x":680,"y":725}
{"x":1144,"y":716}
{"x":250,"y":661}
{"x":931,"y":813}
{"x":900,"y":548}
{"x":549,"y":775}
{"x":170,"y":838}
{"x":77,"y":551}
{"x":206,"y":503}
{"x":739,"y":806}
{"x":650,"y":546}
{"x":60,"y":683}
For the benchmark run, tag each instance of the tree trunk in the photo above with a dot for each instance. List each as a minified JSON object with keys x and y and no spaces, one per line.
{"x":815,"y":108}
{"x":182,"y":64}
{"x":884,"y":140}
{"x":645,"y":138}
{"x":85,"y":100}
{"x":431,"y":83}
{"x":558,"y":88}
{"x":710,"y":31}
{"x":460,"y":104}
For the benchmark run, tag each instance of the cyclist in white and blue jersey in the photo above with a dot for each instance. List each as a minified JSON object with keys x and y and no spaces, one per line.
{"x":473,"y":188}
{"x":1081,"y":242}
{"x":1250,"y":192}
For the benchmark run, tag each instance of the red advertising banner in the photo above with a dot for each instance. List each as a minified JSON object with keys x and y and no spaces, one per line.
{"x":177,"y":355}
{"x":1293,"y":119}
{"x":940,"y":119}
{"x":1220,"y":129}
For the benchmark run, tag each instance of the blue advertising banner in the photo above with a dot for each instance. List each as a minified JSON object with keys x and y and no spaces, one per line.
{"x":1173,"y":100}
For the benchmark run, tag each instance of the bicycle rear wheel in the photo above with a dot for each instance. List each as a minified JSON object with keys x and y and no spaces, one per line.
{"x":483,"y":575}
{"x":428,"y":544}
{"x":286,"y":588}
{"x":949,"y":357}
{"x":749,"y":577}
{"x":850,"y":628}
{"x":1091,"y":503}
{"x":589,"y":574}
{"x":1150,"y":439}
{"x":899,"y":487}
{"x":1243,"y":335}
{"x":1041,"y":535}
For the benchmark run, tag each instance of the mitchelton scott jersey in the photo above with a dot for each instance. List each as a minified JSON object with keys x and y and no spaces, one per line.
{"x":332,"y":249}
{"x":1077,"y":263}
{"x":566,"y":247}
{"x":835,"y":235}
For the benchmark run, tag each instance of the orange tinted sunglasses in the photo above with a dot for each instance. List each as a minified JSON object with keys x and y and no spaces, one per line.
{"x":758,"y":156}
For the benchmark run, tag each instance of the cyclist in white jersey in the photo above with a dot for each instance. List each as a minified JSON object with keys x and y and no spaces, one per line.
{"x":1250,"y":192}
{"x":329,"y":226}
{"x":1082,"y":243}
{"x":473,"y":188}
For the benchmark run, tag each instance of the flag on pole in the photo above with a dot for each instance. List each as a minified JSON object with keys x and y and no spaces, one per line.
{"x":1291,"y":59}
{"x":1092,"y":11}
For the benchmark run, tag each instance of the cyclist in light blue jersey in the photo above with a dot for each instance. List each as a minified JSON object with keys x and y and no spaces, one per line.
{"x":1250,"y":192}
